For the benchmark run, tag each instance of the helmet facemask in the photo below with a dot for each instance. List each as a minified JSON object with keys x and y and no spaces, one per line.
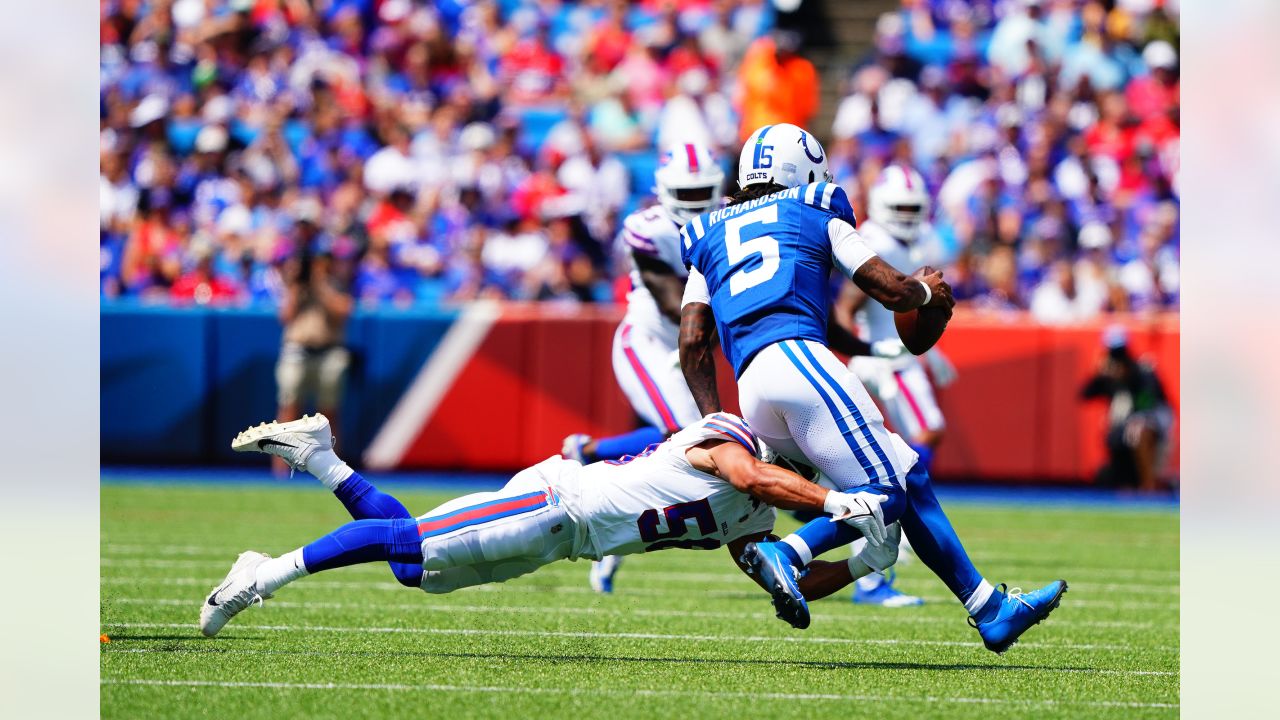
{"x":899,"y":202}
{"x":688,"y":182}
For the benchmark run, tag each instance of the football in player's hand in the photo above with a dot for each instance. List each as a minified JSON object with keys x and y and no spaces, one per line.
{"x":921,"y":328}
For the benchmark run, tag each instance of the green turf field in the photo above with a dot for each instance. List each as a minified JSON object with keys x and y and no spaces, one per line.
{"x":685,"y":634}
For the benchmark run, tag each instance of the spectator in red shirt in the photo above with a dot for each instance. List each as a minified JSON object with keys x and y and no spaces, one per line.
{"x":1155,"y":94}
{"x":200,"y":285}
{"x":1113,"y":135}
{"x":609,"y":41}
{"x":532,"y":71}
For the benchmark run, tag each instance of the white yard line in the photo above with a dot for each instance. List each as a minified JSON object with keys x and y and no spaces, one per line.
{"x":903,"y":618}
{"x":589,"y":635}
{"x":333,"y":653}
{"x":633,"y":693}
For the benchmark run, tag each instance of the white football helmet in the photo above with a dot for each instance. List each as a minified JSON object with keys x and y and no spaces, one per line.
{"x":688,"y":181}
{"x":783,"y":154}
{"x":899,"y":202}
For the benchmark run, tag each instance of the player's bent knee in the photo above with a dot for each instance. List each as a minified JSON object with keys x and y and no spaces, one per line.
{"x":407,"y":575}
{"x":918,"y":479}
{"x":896,"y":505}
{"x":440,"y":582}
{"x":436,"y":582}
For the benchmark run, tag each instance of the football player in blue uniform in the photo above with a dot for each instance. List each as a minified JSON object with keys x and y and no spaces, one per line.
{"x":758,"y":275}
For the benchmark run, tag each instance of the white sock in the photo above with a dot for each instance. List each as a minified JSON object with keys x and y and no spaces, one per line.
{"x":328,"y":468}
{"x":801,"y":547}
{"x":278,"y":572}
{"x":979,"y":597}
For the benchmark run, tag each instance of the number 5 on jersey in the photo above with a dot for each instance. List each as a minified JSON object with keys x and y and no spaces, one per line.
{"x":738,"y":251}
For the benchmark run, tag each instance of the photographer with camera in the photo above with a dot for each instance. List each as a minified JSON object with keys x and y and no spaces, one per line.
{"x":1139,"y":417}
{"x":317,"y":302}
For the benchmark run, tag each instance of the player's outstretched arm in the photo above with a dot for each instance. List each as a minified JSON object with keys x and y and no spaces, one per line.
{"x":761,"y":480}
{"x":784,"y":489}
{"x":877,"y":278}
{"x":898,"y":292}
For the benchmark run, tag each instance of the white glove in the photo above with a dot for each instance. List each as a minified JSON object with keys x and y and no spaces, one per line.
{"x":862,"y":511}
{"x":940,"y":367}
{"x":880,"y":558}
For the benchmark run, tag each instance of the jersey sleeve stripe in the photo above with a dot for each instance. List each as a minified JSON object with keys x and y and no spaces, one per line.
{"x":828,"y":189}
{"x":684,"y":233}
{"x":735,"y":422}
{"x":811,"y":193}
{"x":697,"y":226}
{"x":732,"y":434}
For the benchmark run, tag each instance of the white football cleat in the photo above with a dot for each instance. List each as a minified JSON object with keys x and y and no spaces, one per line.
{"x":238,"y":591}
{"x":293,"y":441}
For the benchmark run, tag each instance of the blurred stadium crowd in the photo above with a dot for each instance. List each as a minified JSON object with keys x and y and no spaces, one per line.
{"x":453,"y":149}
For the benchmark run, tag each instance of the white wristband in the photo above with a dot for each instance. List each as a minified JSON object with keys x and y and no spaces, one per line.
{"x":928,"y":294}
{"x":833,"y":505}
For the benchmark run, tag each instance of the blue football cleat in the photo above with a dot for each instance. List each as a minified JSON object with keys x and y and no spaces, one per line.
{"x":1017,"y":613}
{"x":778,"y":575}
{"x":602,"y":572}
{"x":884,"y":594}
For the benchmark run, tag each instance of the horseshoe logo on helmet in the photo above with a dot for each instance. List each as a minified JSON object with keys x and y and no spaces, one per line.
{"x":804,"y":143}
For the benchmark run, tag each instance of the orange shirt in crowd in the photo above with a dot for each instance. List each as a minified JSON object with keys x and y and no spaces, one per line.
{"x":776,"y":92}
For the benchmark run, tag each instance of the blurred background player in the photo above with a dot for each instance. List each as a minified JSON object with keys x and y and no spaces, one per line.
{"x":1139,"y":417}
{"x":898,"y":205}
{"x":646,"y":361}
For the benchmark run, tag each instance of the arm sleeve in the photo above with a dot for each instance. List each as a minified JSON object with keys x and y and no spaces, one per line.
{"x":695,"y":289}
{"x":848,"y":250}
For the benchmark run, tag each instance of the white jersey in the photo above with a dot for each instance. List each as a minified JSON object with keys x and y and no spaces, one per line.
{"x":654,"y":233}
{"x":659,"y":500}
{"x":875,"y":321}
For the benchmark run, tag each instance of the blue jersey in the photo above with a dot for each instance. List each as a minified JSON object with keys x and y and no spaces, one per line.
{"x":767,"y":263}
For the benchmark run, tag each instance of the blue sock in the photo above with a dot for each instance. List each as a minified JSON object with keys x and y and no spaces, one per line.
{"x":363,"y":541}
{"x":366,"y":502}
{"x":632,"y":443}
{"x":822,"y":535}
{"x":926,"y":455}
{"x":935,"y":542}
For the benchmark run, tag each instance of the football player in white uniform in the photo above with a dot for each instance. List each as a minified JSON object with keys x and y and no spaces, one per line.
{"x":646,"y":361}
{"x":703,"y":488}
{"x":897,"y":208}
